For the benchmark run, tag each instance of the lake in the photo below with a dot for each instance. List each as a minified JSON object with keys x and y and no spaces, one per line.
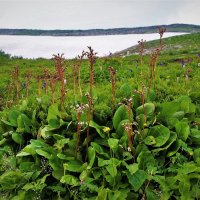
{"x":71,"y":46}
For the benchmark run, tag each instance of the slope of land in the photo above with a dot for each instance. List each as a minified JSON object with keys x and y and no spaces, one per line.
{"x":172,"y":45}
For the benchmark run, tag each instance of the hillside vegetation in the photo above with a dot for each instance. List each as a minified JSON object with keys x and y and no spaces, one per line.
{"x":182,"y":44}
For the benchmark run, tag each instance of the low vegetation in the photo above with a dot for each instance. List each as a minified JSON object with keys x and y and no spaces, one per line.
{"x":111,"y":128}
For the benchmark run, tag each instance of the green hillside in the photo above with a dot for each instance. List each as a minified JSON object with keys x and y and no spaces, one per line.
{"x":189,"y":43}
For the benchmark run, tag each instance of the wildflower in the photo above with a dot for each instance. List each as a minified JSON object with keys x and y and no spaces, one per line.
{"x":106,"y":129}
{"x":183,"y":64}
{"x":44,"y":85}
{"x":129,"y":149}
{"x":82,"y":182}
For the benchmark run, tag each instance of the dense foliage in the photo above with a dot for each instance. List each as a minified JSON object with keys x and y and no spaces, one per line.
{"x":116,"y":131}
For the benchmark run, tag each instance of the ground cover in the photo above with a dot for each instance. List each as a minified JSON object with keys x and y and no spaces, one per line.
{"x":102,"y":128}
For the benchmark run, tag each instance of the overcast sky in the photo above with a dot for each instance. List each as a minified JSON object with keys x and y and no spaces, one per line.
{"x":88,"y":14}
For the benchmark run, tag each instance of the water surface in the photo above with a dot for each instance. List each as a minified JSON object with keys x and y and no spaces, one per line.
{"x":71,"y":46}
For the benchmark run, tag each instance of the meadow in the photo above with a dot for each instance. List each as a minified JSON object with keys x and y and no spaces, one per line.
{"x":126,"y":126}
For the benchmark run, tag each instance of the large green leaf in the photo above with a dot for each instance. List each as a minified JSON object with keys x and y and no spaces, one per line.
{"x":70,"y":180}
{"x":38,"y":144}
{"x":28,"y":150}
{"x":43,"y":153}
{"x":11,"y":180}
{"x":145,"y":114}
{"x":99,"y":149}
{"x":23,"y":122}
{"x":184,"y":188}
{"x":132,"y":168}
{"x":113,"y":143}
{"x":53,"y":112}
{"x":125,"y":90}
{"x":145,"y":160}
{"x":27,"y":166}
{"x":148,"y":109}
{"x":120,"y":129}
{"x":98,"y":128}
{"x":114,"y":195}
{"x":141,"y":121}
{"x":168,"y":109}
{"x":183,"y":130}
{"x":13,"y":115}
{"x":195,"y":136}
{"x":91,"y":157}
{"x":173,"y":137}
{"x":120,"y":115}
{"x":114,"y":161}
{"x":196,"y":155}
{"x":21,"y":195}
{"x":186,"y":104}
{"x":12,"y":118}
{"x":18,"y":138}
{"x":137,"y":179}
{"x":151,"y":195}
{"x":159,"y":135}
{"x":102,"y":162}
{"x":102,"y":194}
{"x":112,"y":169}
{"x":54,"y":124}
{"x":74,"y":166}
{"x":174,"y":148}
{"x":118,"y":194}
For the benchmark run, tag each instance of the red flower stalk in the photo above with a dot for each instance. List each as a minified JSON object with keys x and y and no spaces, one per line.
{"x":38,"y":78}
{"x":161,"y":31}
{"x":46,"y":77}
{"x":79,"y":111}
{"x":53,"y":81}
{"x":92,"y":59}
{"x":15,"y":80}
{"x":60,"y":73}
{"x":154,"y":58}
{"x":28,"y":79}
{"x":141,"y":47}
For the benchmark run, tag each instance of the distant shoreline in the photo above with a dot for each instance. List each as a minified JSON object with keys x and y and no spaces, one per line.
{"x":189,"y":28}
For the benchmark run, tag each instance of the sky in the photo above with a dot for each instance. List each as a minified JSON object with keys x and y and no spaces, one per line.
{"x":91,"y":14}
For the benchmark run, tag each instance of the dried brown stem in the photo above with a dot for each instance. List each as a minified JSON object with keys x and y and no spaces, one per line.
{"x":60,"y":73}
{"x":141,"y":48}
{"x":91,"y":55}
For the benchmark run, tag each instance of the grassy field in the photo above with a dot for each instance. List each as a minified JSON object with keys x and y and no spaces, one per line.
{"x":121,"y":127}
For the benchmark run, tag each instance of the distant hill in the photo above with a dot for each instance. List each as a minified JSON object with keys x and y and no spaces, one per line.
{"x":172,"y":45}
{"x":189,"y":28}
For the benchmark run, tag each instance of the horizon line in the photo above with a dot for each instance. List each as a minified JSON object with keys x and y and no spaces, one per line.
{"x":99,"y":28}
